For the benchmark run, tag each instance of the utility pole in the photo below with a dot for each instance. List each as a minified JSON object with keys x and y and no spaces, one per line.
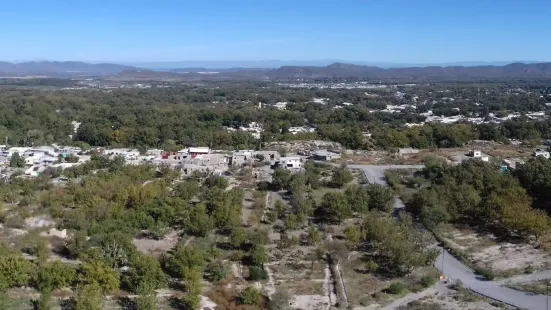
{"x":547,"y":295}
{"x":443,"y":255}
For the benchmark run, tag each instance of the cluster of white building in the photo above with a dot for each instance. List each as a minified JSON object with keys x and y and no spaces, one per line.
{"x":254,"y":128}
{"x":39,"y":158}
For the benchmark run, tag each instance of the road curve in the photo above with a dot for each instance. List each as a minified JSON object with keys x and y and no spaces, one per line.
{"x":455,"y":270}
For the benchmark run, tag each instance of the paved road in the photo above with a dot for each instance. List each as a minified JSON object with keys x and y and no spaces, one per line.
{"x":454,"y":269}
{"x":376,"y":174}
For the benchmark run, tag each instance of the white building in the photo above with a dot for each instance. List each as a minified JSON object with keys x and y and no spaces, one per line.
{"x":290,"y":162}
{"x":540,"y":152}
{"x":281,"y":105}
{"x":126,"y":153}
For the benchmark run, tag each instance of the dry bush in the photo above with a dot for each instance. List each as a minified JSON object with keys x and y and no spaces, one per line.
{"x":226,"y":297}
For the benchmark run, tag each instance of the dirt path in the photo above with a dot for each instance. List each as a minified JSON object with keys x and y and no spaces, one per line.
{"x":188,"y":241}
{"x":411,"y":297}
{"x":338,"y":268}
{"x":270,"y":286}
{"x":329,"y":287}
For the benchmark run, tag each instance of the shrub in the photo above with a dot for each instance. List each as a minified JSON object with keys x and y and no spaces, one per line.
{"x":396,"y":288}
{"x":488,"y":273}
{"x":250,"y":296}
{"x":427,"y":281}
{"x":371,"y":266}
{"x":257,"y":273}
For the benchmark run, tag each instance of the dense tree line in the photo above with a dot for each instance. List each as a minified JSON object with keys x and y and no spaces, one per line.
{"x":196,"y":115}
{"x":477,"y":193}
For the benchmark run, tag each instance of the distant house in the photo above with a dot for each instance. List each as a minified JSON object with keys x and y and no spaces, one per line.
{"x":290,"y":162}
{"x":195,"y":151}
{"x":542,"y":153}
{"x":325,"y":155}
{"x":281,"y":105}
{"x":406,"y":151}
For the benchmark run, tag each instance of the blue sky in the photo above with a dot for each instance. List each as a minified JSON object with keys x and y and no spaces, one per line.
{"x":398,"y":31}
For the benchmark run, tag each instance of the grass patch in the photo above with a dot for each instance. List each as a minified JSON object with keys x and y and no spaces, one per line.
{"x":301,"y":287}
{"x":537,"y":287}
{"x":320,"y":192}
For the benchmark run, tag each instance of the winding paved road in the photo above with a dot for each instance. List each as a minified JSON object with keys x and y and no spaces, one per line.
{"x":454,"y":269}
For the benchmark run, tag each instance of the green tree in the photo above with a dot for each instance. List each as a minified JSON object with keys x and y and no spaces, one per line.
{"x":14,"y":269}
{"x":217,"y":271}
{"x":381,"y":198}
{"x":146,"y":273}
{"x":53,"y":276}
{"x":238,"y":237}
{"x":200,"y":223}
{"x":353,"y":236}
{"x":314,"y":236}
{"x":147,"y":299}
{"x":250,"y":296}
{"x":185,"y":259}
{"x":358,"y":198}
{"x":335,"y":207}
{"x":16,"y":161}
{"x":280,"y":208}
{"x":100,"y":273}
{"x":291,"y":222}
{"x":340,"y":177}
{"x":281,"y":179}
{"x":89,"y":297}
{"x":259,"y":256}
{"x":44,"y":302}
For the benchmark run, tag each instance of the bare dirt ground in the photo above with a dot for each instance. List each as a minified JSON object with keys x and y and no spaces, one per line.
{"x":504,"y":258}
{"x":157,"y":247}
{"x":491,"y":148}
{"x":440,"y":297}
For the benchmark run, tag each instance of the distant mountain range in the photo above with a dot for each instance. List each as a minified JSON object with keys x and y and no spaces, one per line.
{"x":60,"y":68}
{"x":335,"y":70}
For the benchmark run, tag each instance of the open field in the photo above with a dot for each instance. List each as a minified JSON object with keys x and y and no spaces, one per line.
{"x":486,"y":251}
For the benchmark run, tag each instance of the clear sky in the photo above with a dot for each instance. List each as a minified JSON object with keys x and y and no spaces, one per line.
{"x":400,"y":31}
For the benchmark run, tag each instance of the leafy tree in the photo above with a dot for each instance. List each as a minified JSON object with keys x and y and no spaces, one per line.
{"x":16,"y":161}
{"x":281,"y":179}
{"x":14,"y":269}
{"x":89,"y":297}
{"x":341,"y":176}
{"x":71,"y":158}
{"x":146,"y":274}
{"x":280,"y":208}
{"x":381,"y":198}
{"x":147,"y":299}
{"x":259,"y":256}
{"x":44,"y":302}
{"x":216,"y":181}
{"x":217,"y":271}
{"x":200,"y":223}
{"x":353,"y":236}
{"x":99,"y":273}
{"x":291,"y":222}
{"x":257,"y":273}
{"x":238,"y":237}
{"x":314,"y":236}
{"x":53,"y":276}
{"x":335,"y":207}
{"x":358,"y":198}
{"x":250,"y":296}
{"x":185,"y":259}
{"x":190,"y":302}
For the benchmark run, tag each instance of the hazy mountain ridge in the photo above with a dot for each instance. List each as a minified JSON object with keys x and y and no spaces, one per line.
{"x":334,"y":70}
{"x":61,"y":68}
